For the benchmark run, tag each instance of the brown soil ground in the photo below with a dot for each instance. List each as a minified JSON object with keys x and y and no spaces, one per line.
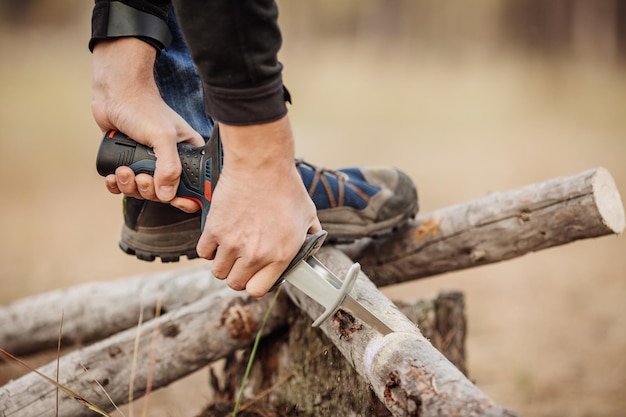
{"x":547,"y":332}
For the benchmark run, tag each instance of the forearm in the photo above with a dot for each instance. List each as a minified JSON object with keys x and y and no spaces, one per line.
{"x":235,"y":45}
{"x":121,"y":68}
{"x":268,"y":146}
{"x":126,"y":97}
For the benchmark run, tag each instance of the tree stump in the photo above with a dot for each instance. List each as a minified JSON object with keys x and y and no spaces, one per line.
{"x":299,"y":371}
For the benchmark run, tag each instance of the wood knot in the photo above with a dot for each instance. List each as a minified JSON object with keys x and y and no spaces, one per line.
{"x":115,"y":351}
{"x":238,"y":318}
{"x":345,"y":324}
{"x":428,"y":228}
{"x":393,"y":382}
{"x":477,"y":254}
{"x":170,"y":330}
{"x":409,"y":403}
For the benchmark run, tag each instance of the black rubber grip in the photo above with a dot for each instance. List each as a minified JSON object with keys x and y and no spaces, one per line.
{"x":201,"y":166}
{"x":117,"y":149}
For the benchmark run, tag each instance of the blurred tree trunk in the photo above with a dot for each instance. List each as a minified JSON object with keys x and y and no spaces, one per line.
{"x":16,"y":11}
{"x":591,"y":29}
{"x":542,"y":26}
{"x":621,"y":30}
{"x":595,"y":29}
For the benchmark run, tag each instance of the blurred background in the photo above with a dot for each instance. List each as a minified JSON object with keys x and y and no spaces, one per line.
{"x":467,"y":97}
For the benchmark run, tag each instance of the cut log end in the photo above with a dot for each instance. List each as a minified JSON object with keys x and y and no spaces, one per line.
{"x":608,"y":200}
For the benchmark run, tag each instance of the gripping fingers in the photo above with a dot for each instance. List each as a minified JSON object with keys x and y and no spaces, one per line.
{"x":186,"y":205}
{"x":126,"y":182}
{"x":254,"y":274}
{"x":125,"y":178}
{"x":145,"y":186}
{"x":263,"y":280}
{"x":167,"y":171}
{"x":111,"y":184}
{"x":223,"y":264}
{"x":252,"y":277}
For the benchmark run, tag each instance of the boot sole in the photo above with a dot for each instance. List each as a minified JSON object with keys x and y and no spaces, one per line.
{"x":148,"y":244}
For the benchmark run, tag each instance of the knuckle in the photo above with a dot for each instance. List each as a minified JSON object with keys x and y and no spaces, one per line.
{"x":204,"y":253}
{"x":219,"y":273}
{"x":255,"y":291}
{"x":262,"y":255}
{"x":144,"y":185}
{"x":235,"y":285}
{"x":169,"y":170}
{"x":255,"y":258}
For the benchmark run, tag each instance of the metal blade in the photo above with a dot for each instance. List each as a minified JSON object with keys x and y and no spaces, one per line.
{"x":367,"y":316}
{"x":323,"y":286}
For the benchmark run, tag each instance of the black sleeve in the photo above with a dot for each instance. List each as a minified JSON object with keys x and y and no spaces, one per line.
{"x":142,"y":19}
{"x":234,"y":44}
{"x":159,"y":8}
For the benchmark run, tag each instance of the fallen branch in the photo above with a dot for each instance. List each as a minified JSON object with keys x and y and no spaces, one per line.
{"x":496,"y":227}
{"x":188,"y":338}
{"x":97,"y":310}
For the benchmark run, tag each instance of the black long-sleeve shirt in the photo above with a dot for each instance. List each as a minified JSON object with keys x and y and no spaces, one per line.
{"x":234,"y":44}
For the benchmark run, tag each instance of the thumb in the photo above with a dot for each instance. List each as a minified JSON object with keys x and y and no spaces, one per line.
{"x":168,"y":166}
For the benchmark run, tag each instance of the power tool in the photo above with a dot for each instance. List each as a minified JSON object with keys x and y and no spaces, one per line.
{"x":201,"y":165}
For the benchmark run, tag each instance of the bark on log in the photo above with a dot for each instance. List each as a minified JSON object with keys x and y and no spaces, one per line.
{"x":445,"y":326}
{"x":182,"y":341}
{"x":496,"y":227}
{"x":489,"y":229}
{"x":299,"y":372}
{"x":94,"y":311}
{"x":406,"y":373}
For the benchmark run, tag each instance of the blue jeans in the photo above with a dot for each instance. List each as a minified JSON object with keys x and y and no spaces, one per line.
{"x":180,"y":84}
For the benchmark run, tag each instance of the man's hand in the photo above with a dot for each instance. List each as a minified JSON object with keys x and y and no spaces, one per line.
{"x":260,"y":212}
{"x":126,"y":98}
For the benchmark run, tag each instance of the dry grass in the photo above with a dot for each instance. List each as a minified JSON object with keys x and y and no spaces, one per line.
{"x":547,"y":332}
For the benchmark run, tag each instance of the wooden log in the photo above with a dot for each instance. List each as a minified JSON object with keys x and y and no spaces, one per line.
{"x":496,"y":227}
{"x":442,"y":321}
{"x":168,"y":348}
{"x":94,"y":311}
{"x":489,"y":229}
{"x":298,"y":371}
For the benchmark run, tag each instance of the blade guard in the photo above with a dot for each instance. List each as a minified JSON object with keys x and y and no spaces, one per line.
{"x":327,"y":290}
{"x":331,"y":304}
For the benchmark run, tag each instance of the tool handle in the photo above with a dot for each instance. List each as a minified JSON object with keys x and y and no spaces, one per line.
{"x":312,"y":243}
{"x":200,"y":165}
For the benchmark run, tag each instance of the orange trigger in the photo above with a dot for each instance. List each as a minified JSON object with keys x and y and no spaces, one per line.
{"x":207,"y":191}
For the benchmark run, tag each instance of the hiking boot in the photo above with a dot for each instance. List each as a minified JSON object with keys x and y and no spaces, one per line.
{"x":153,"y":229}
{"x":351,"y":203}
